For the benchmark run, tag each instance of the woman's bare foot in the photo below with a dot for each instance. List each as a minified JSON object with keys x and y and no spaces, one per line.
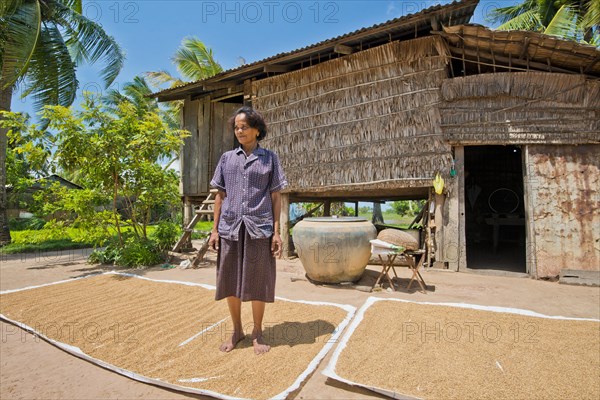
{"x":260,"y":347}
{"x":230,"y":344}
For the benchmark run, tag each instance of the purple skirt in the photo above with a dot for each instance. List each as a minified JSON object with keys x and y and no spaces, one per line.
{"x":246,"y":268}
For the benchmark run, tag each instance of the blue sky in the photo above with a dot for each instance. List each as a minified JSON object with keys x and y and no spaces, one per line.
{"x":150,"y":31}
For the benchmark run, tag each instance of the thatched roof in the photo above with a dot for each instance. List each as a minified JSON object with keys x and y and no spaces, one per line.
{"x":520,"y":51}
{"x":402,"y":28}
{"x":521,"y":108}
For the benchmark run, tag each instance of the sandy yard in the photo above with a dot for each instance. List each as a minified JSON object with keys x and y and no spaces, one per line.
{"x":30,"y":368}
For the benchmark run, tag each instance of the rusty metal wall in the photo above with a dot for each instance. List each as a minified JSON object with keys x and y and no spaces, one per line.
{"x":564,"y":201}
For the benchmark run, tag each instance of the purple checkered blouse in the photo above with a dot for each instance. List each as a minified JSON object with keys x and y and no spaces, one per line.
{"x":248,"y":182}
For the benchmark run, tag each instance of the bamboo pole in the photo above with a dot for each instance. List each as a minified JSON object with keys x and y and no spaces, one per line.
{"x":284,"y":222}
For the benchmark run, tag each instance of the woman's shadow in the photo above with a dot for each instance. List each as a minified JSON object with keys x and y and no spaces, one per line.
{"x":292,"y":333}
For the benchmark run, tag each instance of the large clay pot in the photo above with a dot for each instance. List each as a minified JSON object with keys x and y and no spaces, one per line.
{"x":334,"y":250}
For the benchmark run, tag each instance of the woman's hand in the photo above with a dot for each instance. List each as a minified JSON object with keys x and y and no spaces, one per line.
{"x":213,"y":241}
{"x":276,"y":245}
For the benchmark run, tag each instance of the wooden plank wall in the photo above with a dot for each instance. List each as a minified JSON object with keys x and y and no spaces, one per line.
{"x":203,"y":147}
{"x":210,"y":138}
{"x":222,"y":138}
{"x":187,"y":155}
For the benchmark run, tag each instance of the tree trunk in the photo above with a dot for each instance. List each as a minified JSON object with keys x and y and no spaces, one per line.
{"x":115,"y":212}
{"x":5,"y":100}
{"x":377,"y":215}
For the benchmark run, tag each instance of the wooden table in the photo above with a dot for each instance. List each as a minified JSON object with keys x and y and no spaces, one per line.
{"x":414,"y":261}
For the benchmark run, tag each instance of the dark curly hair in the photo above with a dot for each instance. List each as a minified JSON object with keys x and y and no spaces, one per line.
{"x":254,"y":120}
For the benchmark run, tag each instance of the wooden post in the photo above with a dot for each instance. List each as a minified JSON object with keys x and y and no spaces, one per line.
{"x":450,"y":226}
{"x":248,"y":95}
{"x":356,"y":208}
{"x":284,"y":224}
{"x":459,"y":153}
{"x":188,"y":211}
{"x":529,"y":188}
{"x":438,"y":218}
{"x":188,"y":215}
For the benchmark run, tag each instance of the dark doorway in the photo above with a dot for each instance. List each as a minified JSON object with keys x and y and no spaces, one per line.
{"x":494,"y":210}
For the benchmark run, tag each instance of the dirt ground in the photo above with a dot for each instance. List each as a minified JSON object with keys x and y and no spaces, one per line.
{"x":31,"y":368}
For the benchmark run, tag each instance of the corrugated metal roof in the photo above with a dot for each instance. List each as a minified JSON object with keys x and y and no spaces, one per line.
{"x":412,"y":25}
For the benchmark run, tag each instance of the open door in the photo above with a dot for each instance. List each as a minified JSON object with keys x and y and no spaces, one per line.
{"x":494,"y":208}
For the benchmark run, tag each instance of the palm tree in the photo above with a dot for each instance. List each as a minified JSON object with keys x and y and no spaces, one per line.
{"x":41,"y":44}
{"x":569,"y":19}
{"x":194,"y":61}
{"x":138,"y":93}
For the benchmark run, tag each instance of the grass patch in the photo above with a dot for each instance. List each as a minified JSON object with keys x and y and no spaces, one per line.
{"x":391,"y":218}
{"x":49,"y":245}
{"x":32,"y":240}
{"x":202,"y":229}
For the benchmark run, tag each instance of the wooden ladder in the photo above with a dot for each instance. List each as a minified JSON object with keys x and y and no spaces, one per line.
{"x":206,"y":208}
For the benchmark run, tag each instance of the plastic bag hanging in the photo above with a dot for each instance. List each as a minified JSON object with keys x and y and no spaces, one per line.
{"x":438,"y":184}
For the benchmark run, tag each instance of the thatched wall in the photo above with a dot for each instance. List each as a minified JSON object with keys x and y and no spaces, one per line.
{"x":564,"y":191}
{"x":521,"y":108}
{"x":367,"y":117}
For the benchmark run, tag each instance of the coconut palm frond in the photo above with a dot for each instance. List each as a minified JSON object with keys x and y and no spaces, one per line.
{"x":158,"y":78}
{"x":19,"y":33}
{"x":591,"y":17}
{"x":138,"y":91}
{"x":9,"y":7}
{"x":135,"y":93}
{"x":547,"y":9}
{"x":528,"y":21}
{"x":194,"y":60}
{"x":505,"y":14}
{"x":137,"y":87}
{"x":114,"y":97}
{"x":88,"y":42}
{"x":171,"y":113}
{"x":51,"y":75}
{"x":564,"y":24}
{"x":595,"y":40}
{"x":75,"y":5}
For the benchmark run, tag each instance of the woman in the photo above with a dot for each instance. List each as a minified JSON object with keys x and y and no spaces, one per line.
{"x":246,"y":225}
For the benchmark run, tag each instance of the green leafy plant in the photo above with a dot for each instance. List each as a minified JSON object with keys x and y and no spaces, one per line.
{"x":23,"y":224}
{"x":165,"y":235}
{"x":577,"y":20}
{"x":134,"y":252}
{"x":117,"y":152}
{"x":407,"y":207}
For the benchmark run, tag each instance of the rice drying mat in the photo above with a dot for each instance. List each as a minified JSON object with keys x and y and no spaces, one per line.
{"x":407,"y":349}
{"x":168,"y":333}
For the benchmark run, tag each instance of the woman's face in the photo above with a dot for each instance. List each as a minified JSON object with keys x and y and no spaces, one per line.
{"x":246,"y":135}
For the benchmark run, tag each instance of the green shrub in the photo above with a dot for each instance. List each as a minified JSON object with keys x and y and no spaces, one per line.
{"x":139,"y":252}
{"x":49,"y":245}
{"x":165,"y":234}
{"x":52,"y":231}
{"x":135,"y":252}
{"x":108,"y":255}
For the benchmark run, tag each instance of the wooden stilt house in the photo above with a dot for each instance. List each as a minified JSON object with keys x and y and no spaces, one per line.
{"x":511,"y":120}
